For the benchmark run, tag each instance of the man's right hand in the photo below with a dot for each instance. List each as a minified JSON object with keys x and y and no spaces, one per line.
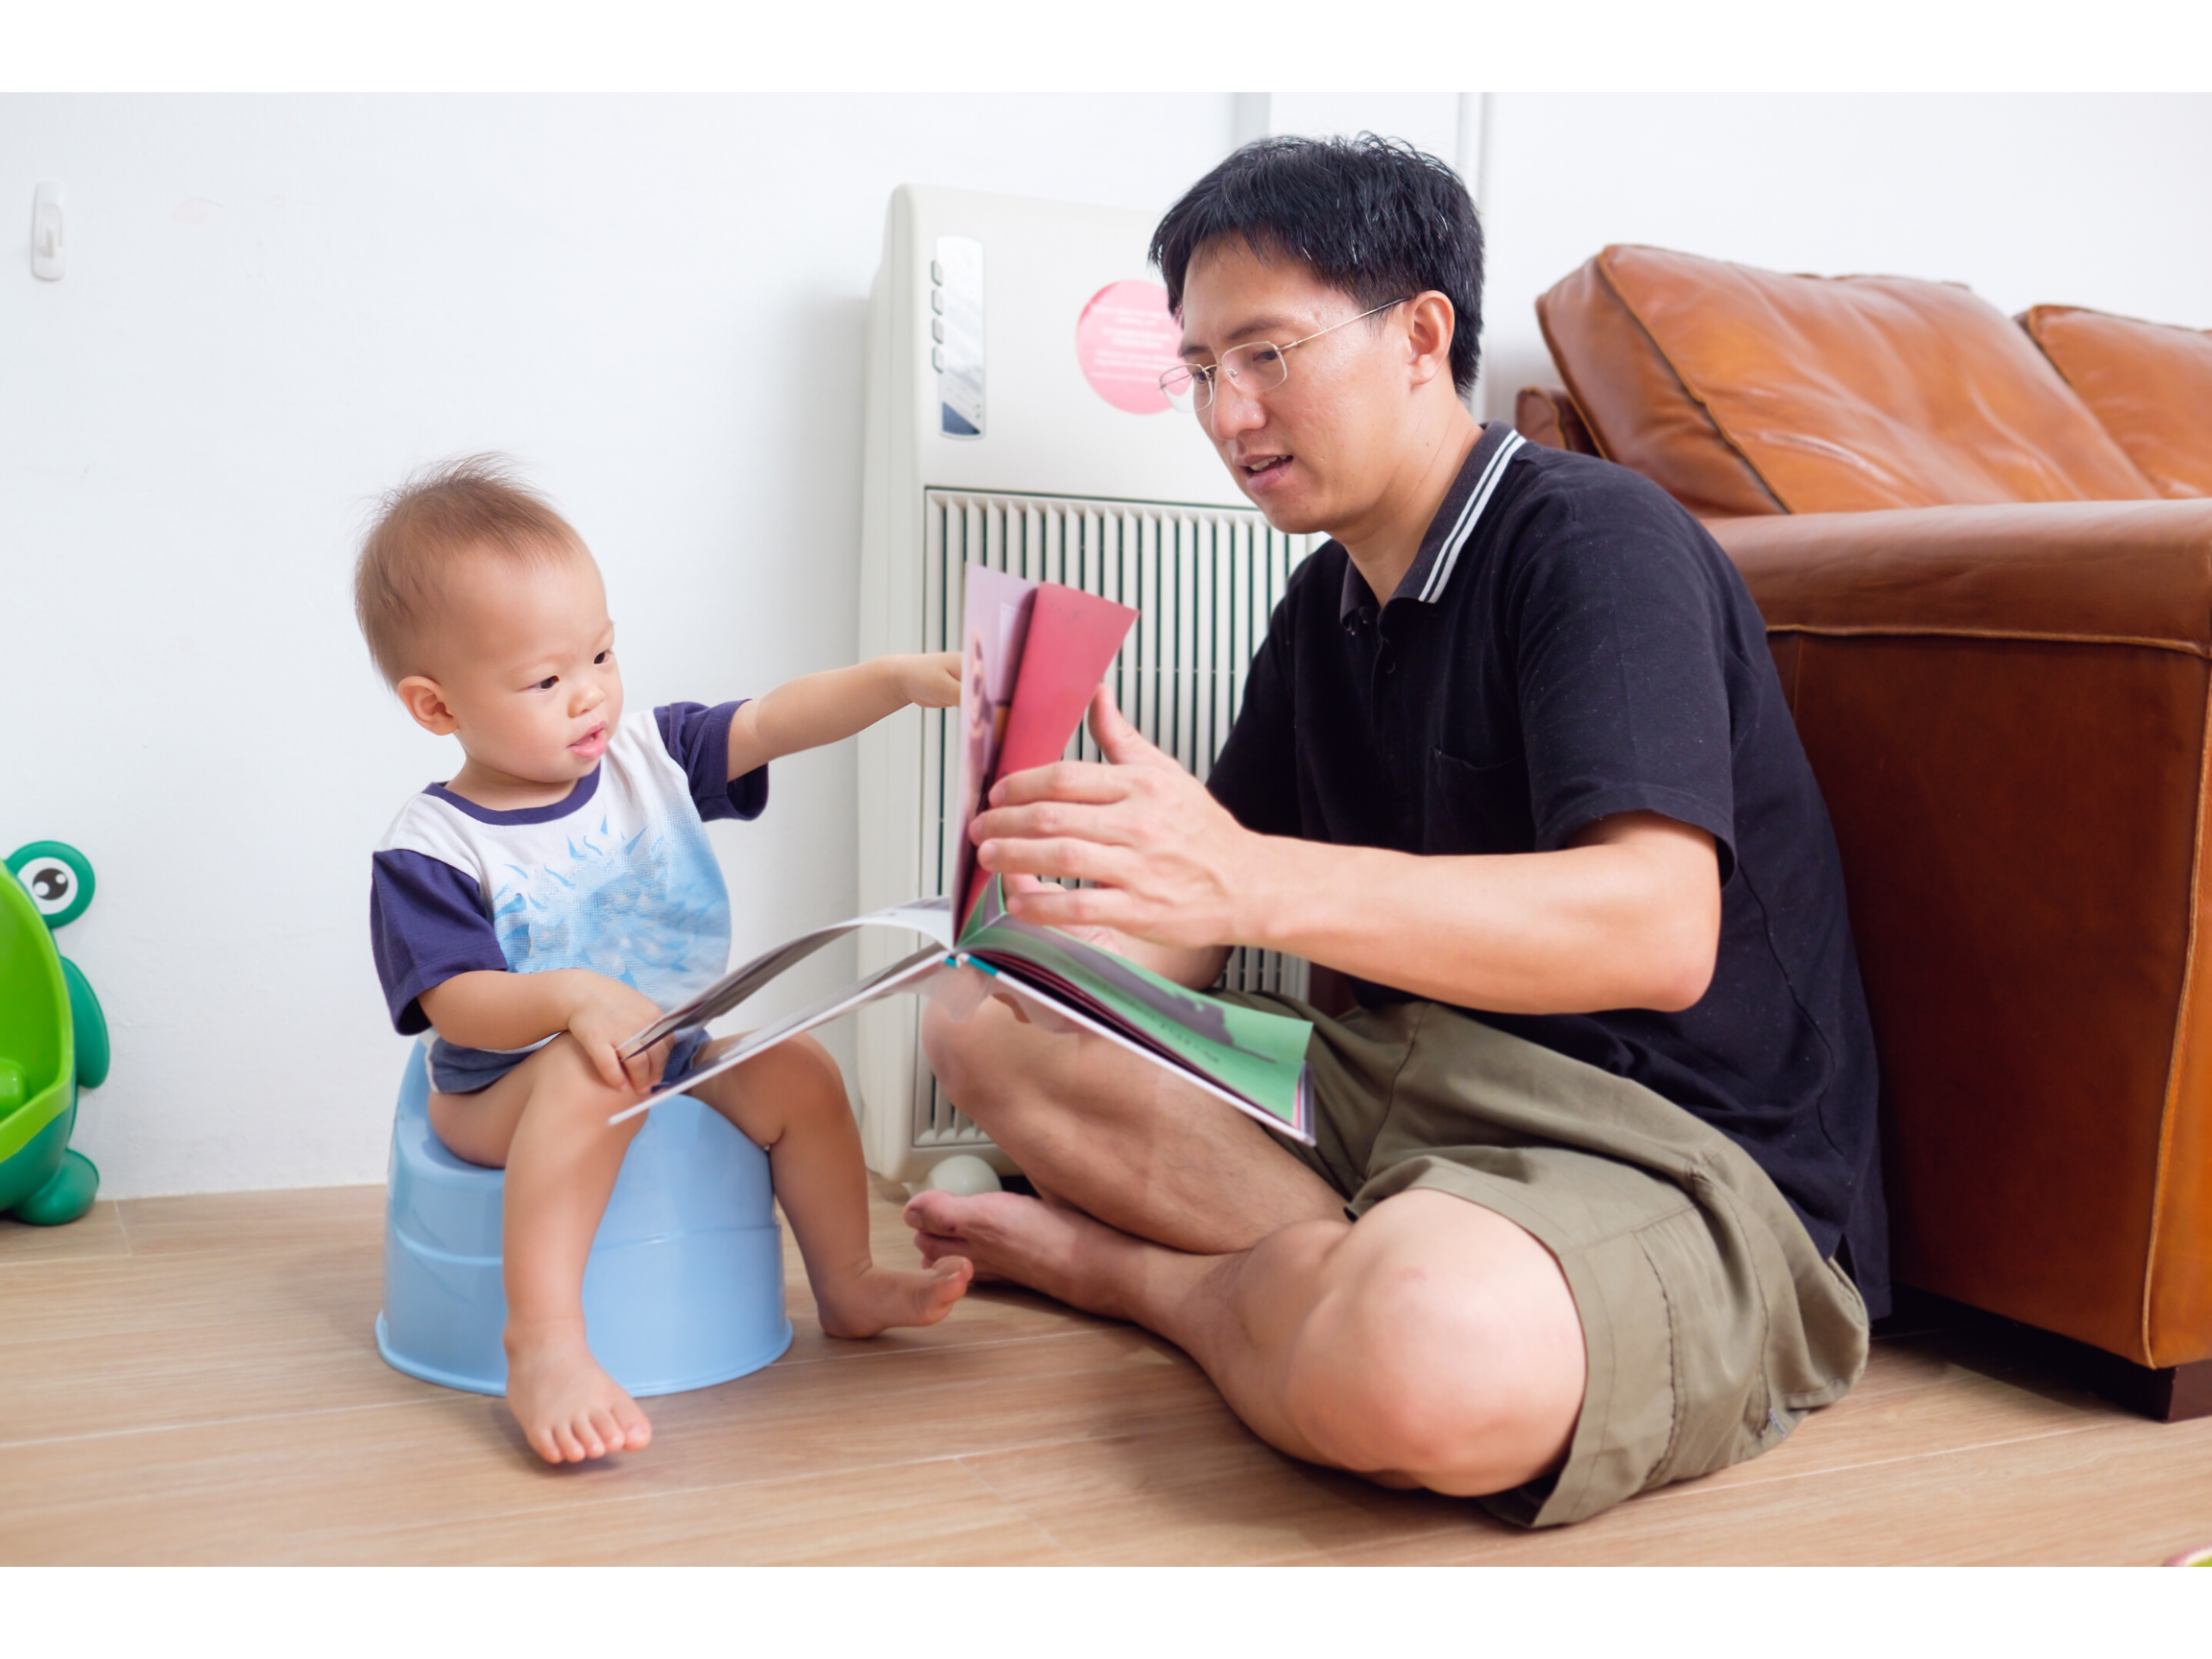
{"x":1168,"y":863}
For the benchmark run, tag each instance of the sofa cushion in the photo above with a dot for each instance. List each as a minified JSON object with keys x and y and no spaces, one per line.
{"x":2149,"y":383}
{"x":1546,"y":415}
{"x":1743,"y":391}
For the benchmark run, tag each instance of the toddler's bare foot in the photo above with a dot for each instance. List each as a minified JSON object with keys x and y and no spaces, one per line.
{"x":568,"y":1407}
{"x":879,"y":1299}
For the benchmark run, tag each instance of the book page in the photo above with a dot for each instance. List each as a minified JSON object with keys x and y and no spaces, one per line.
{"x":931,"y":918}
{"x":994,"y":628}
{"x":1071,"y":641}
{"x":1036,"y":651}
{"x":1256,"y":1056}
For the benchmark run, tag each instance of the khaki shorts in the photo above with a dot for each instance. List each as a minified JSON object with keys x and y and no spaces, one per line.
{"x":1711,"y":1321}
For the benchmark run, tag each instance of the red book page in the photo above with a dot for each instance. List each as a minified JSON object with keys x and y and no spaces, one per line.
{"x":1073,"y":638}
{"x":994,"y":627}
{"x":1035,"y":653}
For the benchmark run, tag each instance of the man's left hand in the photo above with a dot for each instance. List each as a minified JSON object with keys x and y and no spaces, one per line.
{"x":1169,"y":862}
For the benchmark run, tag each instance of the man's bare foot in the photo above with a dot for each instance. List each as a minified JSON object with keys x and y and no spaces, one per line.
{"x":568,"y":1407}
{"x":879,"y":1299}
{"x":1040,"y":1244}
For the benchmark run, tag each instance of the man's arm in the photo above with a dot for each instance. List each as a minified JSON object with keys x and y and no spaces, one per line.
{"x":1629,"y":917}
{"x":826,"y":707}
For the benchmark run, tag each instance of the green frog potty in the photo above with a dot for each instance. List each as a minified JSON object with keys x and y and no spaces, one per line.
{"x":53,"y":1037}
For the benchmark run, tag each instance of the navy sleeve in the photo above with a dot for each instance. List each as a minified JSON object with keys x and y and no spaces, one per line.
{"x":426,"y":923}
{"x":1256,"y":774}
{"x":1620,"y":637}
{"x":697,"y":739}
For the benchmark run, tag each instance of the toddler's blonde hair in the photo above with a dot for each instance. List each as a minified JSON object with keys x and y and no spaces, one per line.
{"x":468,"y":508}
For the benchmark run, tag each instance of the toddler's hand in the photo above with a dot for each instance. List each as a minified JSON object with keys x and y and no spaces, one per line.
{"x":930,"y":679}
{"x":606,"y":1015}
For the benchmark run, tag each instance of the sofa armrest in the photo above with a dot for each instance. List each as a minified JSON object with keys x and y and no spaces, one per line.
{"x":2134,"y":573}
{"x":2006,"y":709}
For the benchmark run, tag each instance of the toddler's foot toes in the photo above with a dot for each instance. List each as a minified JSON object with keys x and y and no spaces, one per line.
{"x":570,"y":1410}
{"x":879,"y":1299}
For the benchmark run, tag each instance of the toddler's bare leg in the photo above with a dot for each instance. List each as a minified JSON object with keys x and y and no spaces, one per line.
{"x":545,"y":1124}
{"x":791,"y":1101}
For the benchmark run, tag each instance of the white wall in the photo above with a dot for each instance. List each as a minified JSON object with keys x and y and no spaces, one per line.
{"x":2078,"y":200}
{"x":276,"y":308}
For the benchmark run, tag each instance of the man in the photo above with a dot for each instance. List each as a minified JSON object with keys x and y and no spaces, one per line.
{"x":1597,"y":1168}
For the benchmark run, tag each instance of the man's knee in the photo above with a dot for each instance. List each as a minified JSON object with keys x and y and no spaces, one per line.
{"x":1387,"y":1376}
{"x":1418,"y":1361}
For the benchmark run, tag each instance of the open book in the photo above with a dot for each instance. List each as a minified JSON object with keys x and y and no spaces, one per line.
{"x":1036,"y":652}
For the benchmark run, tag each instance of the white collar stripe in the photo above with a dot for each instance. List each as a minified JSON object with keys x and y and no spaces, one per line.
{"x":1469,"y":516}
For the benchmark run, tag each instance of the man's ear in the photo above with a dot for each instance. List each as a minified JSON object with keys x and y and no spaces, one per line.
{"x":425,"y":700}
{"x":1429,"y":324}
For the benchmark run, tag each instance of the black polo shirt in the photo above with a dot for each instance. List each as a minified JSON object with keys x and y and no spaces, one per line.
{"x":1570,"y":644}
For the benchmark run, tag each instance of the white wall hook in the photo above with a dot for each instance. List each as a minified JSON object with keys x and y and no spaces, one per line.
{"x":49,"y":236}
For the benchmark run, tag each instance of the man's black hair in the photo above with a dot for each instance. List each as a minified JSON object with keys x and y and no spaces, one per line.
{"x":1373,"y":217}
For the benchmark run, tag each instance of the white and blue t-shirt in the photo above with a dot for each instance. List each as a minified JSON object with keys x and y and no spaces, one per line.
{"x":617,"y":878}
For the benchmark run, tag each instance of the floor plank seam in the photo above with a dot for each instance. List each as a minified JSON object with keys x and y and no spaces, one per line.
{"x":596,"y":1503}
{"x":1022,"y":1509}
{"x":791,"y":1361}
{"x":311,"y":1412}
{"x":1707,"y":1489}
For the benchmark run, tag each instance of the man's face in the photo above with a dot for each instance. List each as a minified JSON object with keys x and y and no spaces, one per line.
{"x":1315,"y":452}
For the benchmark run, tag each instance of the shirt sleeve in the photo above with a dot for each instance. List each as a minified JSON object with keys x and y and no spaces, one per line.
{"x":1620,"y":639}
{"x":426,"y":923}
{"x":1256,"y":775}
{"x":697,"y":739}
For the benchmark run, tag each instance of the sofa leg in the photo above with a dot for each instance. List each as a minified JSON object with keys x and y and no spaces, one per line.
{"x":2172,"y":1395}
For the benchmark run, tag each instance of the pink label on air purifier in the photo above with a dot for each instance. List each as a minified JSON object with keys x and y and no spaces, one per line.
{"x":1124,"y":340}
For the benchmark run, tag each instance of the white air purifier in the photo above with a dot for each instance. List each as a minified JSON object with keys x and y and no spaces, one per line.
{"x":1014,"y":420}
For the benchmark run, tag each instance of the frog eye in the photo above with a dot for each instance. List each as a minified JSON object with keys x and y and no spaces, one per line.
{"x":57,"y":877}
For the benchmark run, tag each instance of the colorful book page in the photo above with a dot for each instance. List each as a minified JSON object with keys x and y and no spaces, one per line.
{"x":1071,"y":641}
{"x":1259,"y":1056}
{"x":995,"y":625}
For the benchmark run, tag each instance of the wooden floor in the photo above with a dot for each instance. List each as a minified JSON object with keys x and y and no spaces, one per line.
{"x":195,"y":1379}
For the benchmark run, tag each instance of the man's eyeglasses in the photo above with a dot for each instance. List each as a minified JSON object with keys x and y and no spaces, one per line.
{"x":1256,"y":367}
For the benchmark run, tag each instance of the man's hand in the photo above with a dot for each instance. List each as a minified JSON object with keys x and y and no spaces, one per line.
{"x":1105,"y":938}
{"x":929,"y":679}
{"x":1169,"y":864}
{"x":603,"y":1015}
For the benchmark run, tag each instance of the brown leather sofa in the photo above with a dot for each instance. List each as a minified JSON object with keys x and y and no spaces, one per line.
{"x":1983,"y":551}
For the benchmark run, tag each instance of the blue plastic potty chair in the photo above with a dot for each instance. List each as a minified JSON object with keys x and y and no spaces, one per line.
{"x":685,"y":1285}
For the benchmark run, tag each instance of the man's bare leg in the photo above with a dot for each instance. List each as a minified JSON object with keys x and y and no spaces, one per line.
{"x":790,"y":1099}
{"x":1120,"y":1137}
{"x":1430,"y":1343}
{"x":545,"y":1124}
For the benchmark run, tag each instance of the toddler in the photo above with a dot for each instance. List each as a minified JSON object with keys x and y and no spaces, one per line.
{"x":542,"y":906}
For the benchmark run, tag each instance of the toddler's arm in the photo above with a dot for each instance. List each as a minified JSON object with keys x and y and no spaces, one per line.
{"x":492,"y":1010}
{"x":817,"y":709}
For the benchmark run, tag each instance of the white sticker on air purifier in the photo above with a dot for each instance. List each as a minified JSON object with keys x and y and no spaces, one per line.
{"x":956,"y":323}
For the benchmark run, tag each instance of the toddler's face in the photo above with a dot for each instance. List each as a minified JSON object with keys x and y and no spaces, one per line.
{"x":525,"y":668}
